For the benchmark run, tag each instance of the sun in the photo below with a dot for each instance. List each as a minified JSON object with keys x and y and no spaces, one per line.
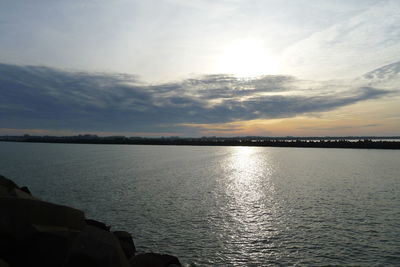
{"x":246,"y":58}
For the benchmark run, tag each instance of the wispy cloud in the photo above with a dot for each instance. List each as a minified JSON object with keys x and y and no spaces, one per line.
{"x":45,"y":98}
{"x":350,"y":47}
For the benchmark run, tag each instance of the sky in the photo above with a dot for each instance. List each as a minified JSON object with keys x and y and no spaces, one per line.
{"x":200,"y":67}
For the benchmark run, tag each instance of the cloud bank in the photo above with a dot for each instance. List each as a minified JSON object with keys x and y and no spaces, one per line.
{"x":34,"y":97}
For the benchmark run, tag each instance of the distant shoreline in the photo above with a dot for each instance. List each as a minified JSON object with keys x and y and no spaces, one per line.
{"x":311,"y":142}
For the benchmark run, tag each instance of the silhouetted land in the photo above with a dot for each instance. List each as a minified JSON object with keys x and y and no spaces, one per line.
{"x":368,"y":142}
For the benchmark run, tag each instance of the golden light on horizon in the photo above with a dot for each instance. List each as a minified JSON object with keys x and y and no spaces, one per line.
{"x":345,"y":121}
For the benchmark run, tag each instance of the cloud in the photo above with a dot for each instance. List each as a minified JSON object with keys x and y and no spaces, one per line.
{"x":350,"y":47}
{"x":341,"y":127}
{"x":45,"y":98}
{"x":387,"y":77}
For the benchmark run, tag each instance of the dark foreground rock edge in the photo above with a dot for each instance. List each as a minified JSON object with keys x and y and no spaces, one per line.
{"x":38,"y":233}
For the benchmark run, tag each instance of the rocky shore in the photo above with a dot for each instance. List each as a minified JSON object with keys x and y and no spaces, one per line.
{"x":38,"y":233}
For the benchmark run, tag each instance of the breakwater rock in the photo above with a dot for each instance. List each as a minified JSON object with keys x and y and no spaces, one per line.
{"x":38,"y":233}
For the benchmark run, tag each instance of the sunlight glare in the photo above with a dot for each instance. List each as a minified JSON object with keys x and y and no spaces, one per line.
{"x":249,"y":171}
{"x":246,"y":58}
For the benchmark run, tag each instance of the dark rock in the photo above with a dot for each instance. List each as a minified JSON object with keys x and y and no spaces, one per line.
{"x":17,"y":192}
{"x":154,"y":260}
{"x":126,"y":242}
{"x":26,"y":190}
{"x":81,"y":260}
{"x":46,"y":249}
{"x":3,"y":263}
{"x":98,"y":224}
{"x":7,"y":247}
{"x":7,"y":182}
{"x":96,"y":247}
{"x":6,"y":186}
{"x":39,"y":233}
{"x":10,"y":189}
{"x":19,"y":214}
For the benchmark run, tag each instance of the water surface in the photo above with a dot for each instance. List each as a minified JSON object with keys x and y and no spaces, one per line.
{"x":228,"y":206}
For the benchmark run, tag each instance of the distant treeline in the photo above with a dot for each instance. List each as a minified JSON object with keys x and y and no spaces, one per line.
{"x":370,"y":142}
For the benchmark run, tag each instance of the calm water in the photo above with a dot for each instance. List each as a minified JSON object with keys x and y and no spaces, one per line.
{"x":228,"y":206}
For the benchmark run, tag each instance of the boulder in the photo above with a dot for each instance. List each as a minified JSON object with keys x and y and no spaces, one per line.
{"x":7,"y":245}
{"x":4,"y":191}
{"x":45,"y":249}
{"x":17,"y":192}
{"x":19,"y":215}
{"x":7,"y":182}
{"x":96,"y":247}
{"x":26,"y":190}
{"x":98,"y":224}
{"x":6,"y":186}
{"x":154,"y":260}
{"x":126,"y":242}
{"x":3,"y":263}
{"x":10,"y":189}
{"x":38,"y":246}
{"x":39,"y":233}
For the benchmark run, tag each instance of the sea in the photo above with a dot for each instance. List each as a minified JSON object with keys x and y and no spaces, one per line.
{"x":227,"y":206}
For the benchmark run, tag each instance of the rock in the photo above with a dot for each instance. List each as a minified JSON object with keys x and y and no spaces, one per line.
{"x":98,"y":224}
{"x":3,"y":263}
{"x":7,"y":245}
{"x":7,"y":182}
{"x":10,"y":189}
{"x":44,"y":246}
{"x":126,"y":242}
{"x":19,"y":215}
{"x":6,"y":186}
{"x":45,"y":249}
{"x":36,"y":233}
{"x":26,"y":190}
{"x":96,"y":247}
{"x":4,"y":191}
{"x":17,"y":192}
{"x":39,"y":233}
{"x":154,"y":260}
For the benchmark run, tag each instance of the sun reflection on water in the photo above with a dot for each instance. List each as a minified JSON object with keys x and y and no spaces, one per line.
{"x":249,"y":175}
{"x":250,"y":205}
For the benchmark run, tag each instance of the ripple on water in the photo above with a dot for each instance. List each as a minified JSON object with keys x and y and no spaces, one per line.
{"x":228,"y":206}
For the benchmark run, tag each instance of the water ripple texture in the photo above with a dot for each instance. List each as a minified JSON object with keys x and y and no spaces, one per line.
{"x":228,"y":206}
